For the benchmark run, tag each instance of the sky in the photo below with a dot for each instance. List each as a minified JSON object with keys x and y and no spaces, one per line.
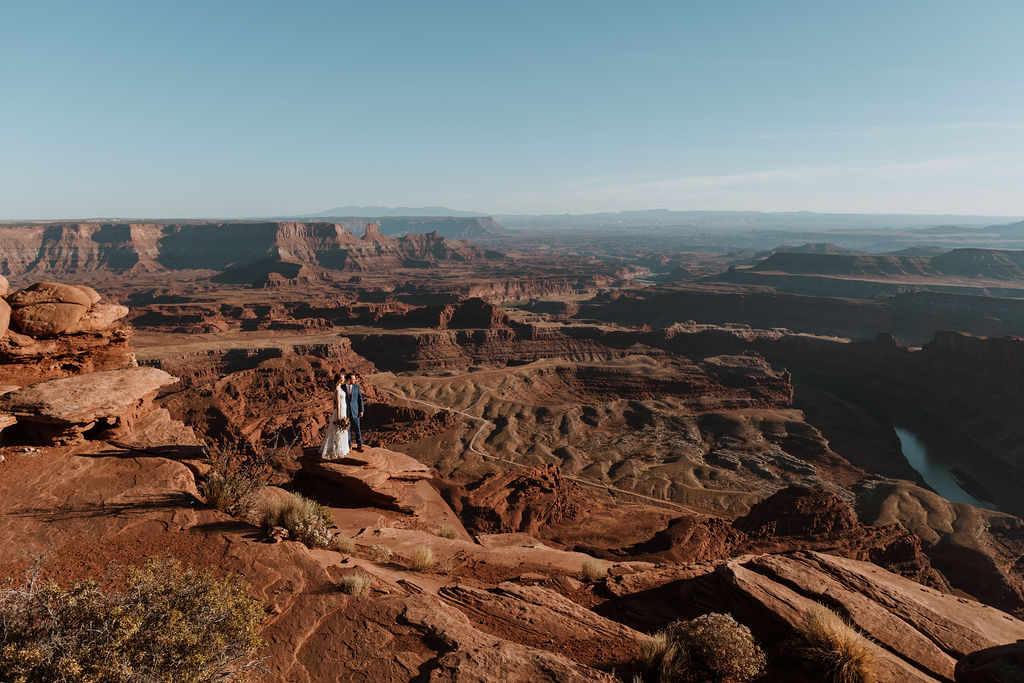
{"x":230,"y":109}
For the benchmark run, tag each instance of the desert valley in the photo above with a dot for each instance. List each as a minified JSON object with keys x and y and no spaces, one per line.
{"x":579,"y":431}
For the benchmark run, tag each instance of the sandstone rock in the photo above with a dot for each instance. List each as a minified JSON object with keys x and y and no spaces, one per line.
{"x":521,"y":500}
{"x":63,"y":409}
{"x":93,"y":295}
{"x":49,"y":293}
{"x":920,"y":631}
{"x":4,"y":286}
{"x":47,"y":319}
{"x":100,"y":317}
{"x":5,"y":316}
{"x":1000,"y":664}
{"x":472,"y":655}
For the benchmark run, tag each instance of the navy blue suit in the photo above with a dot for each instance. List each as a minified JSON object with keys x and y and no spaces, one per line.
{"x":354,"y":403}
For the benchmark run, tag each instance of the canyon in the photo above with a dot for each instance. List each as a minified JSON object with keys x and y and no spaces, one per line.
{"x":716,"y":432}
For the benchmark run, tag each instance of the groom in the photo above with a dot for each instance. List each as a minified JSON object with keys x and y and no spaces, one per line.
{"x":354,"y":398}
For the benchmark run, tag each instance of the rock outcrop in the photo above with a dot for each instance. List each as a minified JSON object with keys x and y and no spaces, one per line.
{"x":100,"y":405}
{"x":920,"y":632}
{"x":519,"y":500}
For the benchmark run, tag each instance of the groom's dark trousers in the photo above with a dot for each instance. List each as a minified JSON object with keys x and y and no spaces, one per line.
{"x":354,"y":397}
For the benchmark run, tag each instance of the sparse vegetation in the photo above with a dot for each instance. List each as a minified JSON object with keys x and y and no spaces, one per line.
{"x":712,"y":647}
{"x":379,"y":553}
{"x":652,"y":650}
{"x":354,"y":584}
{"x":836,"y":649}
{"x":238,"y":473}
{"x":421,"y":559}
{"x":169,"y":623}
{"x":448,"y":531}
{"x":593,"y":570}
{"x":306,"y":520}
{"x":343,"y":544}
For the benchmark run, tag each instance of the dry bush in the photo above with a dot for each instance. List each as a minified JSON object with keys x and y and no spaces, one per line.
{"x":836,"y":649}
{"x":712,"y":647}
{"x":168,"y":623}
{"x":343,"y":544}
{"x":448,"y":531}
{"x":379,"y":553}
{"x":652,"y":650}
{"x":421,"y":559}
{"x":306,"y":520}
{"x":238,"y":473}
{"x":593,"y":570}
{"x":354,"y":584}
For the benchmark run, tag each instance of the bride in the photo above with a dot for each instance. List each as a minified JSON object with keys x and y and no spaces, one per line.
{"x":336,"y":444}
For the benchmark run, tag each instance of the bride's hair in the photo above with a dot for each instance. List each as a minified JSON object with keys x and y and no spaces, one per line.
{"x":338,"y":379}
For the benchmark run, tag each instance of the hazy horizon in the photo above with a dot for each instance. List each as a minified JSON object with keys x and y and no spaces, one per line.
{"x":237,"y":109}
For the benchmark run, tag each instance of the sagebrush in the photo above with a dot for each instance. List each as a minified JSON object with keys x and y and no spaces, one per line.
{"x":354,"y":584}
{"x":593,"y":570}
{"x":306,"y":520}
{"x":168,"y":624}
{"x":421,"y":559}
{"x":711,"y":648}
{"x":835,"y":649}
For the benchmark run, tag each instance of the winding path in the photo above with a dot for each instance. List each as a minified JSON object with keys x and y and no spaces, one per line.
{"x":484,"y":423}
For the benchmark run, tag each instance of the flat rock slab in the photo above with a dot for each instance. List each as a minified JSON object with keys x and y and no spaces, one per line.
{"x":920,"y":631}
{"x":376,"y":476}
{"x":85,"y":398}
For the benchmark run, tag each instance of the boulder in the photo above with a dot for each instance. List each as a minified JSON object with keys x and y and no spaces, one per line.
{"x":49,"y":293}
{"x":93,"y":295}
{"x":1000,"y":664}
{"x":376,"y":477}
{"x":4,"y":286}
{"x":63,"y":410}
{"x":47,"y":319}
{"x":5,"y":314}
{"x":100,"y":317}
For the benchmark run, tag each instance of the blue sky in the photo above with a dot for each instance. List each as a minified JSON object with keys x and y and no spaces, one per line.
{"x":218,"y":108}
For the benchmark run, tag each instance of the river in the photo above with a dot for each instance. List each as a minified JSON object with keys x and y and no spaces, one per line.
{"x":955,"y":470}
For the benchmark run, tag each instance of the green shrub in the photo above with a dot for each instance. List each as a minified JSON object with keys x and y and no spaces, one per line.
{"x":354,"y":584}
{"x":168,"y":624}
{"x":709,"y":649}
{"x":306,"y":520}
{"x":836,"y":649}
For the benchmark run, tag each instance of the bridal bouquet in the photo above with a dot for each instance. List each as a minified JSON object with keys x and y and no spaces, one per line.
{"x":342,"y":423}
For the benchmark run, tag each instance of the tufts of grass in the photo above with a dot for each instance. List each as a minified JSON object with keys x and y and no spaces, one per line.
{"x":343,"y":544}
{"x":652,"y":650}
{"x":448,"y":531}
{"x":378,"y":553}
{"x":593,"y":570}
{"x":306,"y":520}
{"x":354,"y":584}
{"x":421,"y":559}
{"x":835,"y":648}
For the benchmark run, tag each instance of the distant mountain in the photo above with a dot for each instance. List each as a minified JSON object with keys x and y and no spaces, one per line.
{"x":816,"y":248}
{"x":382,"y":211}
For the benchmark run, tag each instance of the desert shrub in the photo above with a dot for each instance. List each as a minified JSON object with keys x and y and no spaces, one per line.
{"x":712,"y":648}
{"x":379,"y":553}
{"x":448,"y":531}
{"x":237,"y":474}
{"x":354,"y":584}
{"x":421,"y":559}
{"x":652,"y":650}
{"x":593,"y":570}
{"x":343,"y":544}
{"x":836,"y":649}
{"x":169,"y":623}
{"x":306,"y":520}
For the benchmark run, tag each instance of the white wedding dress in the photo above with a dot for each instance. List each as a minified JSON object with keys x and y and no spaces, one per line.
{"x":336,"y":444}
